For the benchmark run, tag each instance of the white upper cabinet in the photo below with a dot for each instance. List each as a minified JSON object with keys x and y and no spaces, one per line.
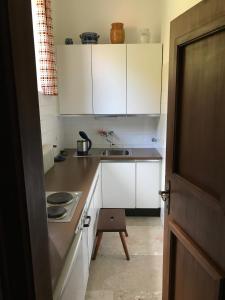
{"x":74,"y":79}
{"x":109,"y":79}
{"x":144,"y":63}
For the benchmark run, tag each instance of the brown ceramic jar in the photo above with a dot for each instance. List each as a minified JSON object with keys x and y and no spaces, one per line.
{"x":117,"y":34}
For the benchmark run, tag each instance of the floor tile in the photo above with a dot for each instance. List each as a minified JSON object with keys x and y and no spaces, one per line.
{"x":112,"y":277}
{"x":143,"y":221}
{"x":137,"y":295}
{"x":111,"y":273}
{"x":99,"y":295}
{"x":142,"y":240}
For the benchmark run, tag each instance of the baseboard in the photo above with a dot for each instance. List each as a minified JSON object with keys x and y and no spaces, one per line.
{"x":143,"y":212}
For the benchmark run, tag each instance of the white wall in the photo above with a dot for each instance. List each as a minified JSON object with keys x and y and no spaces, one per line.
{"x":131,"y":132}
{"x":170,"y":10}
{"x":51,"y":127}
{"x":72,"y":17}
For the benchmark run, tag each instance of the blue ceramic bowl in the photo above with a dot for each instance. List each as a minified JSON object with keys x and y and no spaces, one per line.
{"x":89,"y":38}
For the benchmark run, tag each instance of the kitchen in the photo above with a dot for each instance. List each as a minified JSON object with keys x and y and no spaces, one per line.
{"x":127,"y":118}
{"x":102,"y":85}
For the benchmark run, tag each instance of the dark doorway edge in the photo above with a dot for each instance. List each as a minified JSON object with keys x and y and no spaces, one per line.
{"x":143,"y":212}
{"x":24,"y":255}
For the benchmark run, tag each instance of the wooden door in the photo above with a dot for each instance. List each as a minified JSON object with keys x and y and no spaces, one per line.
{"x":144,"y":65}
{"x":74,"y":79}
{"x":109,"y":79}
{"x":194,"y":249}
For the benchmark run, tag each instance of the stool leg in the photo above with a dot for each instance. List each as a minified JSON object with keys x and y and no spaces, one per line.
{"x":126,"y":233}
{"x":124,"y":245}
{"x":99,"y":238}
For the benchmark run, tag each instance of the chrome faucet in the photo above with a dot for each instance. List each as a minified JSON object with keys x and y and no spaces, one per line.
{"x":108,"y":135}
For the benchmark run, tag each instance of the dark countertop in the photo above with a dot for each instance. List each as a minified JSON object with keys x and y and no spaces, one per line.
{"x":77,"y":174}
{"x":73,"y":174}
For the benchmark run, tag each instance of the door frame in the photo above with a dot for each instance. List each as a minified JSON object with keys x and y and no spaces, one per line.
{"x":24,"y":253}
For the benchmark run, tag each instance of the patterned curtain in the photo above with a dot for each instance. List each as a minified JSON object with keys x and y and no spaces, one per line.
{"x":48,"y":78}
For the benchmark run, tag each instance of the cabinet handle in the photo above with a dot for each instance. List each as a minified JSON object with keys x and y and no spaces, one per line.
{"x":89,"y":221}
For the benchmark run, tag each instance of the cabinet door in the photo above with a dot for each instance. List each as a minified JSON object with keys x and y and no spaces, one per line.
{"x":109,"y":79}
{"x":91,"y":234}
{"x":148,"y":184}
{"x":85,"y":254}
{"x":73,"y":279}
{"x":144,"y":65}
{"x":74,"y":79}
{"x":98,"y":194}
{"x":97,"y":200}
{"x":118,"y":185}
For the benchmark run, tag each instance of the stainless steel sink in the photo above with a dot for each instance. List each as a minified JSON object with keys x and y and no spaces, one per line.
{"x":119,"y":152}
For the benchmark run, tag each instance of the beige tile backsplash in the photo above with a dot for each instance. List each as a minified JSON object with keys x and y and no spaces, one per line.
{"x":135,"y":131}
{"x":132,"y":131}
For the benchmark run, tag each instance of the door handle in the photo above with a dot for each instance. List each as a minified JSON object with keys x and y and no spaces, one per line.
{"x":89,"y":221}
{"x":164,"y":195}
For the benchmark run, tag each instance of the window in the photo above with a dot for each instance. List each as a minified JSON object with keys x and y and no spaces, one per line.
{"x":44,"y":47}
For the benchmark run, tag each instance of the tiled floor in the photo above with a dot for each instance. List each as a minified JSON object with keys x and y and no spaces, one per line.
{"x":112,"y":277}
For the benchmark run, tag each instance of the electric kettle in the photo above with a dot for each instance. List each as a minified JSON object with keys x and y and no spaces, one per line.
{"x":83,"y":146}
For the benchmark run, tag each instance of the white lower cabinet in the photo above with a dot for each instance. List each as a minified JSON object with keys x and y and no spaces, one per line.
{"x":118,"y":184}
{"x":85,"y":251}
{"x":92,"y":216}
{"x":97,"y":200}
{"x":73,"y":279}
{"x":131,"y":184}
{"x":147,"y":184}
{"x":90,"y":220}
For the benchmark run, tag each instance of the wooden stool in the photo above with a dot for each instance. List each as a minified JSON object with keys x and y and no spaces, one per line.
{"x":111,"y":220}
